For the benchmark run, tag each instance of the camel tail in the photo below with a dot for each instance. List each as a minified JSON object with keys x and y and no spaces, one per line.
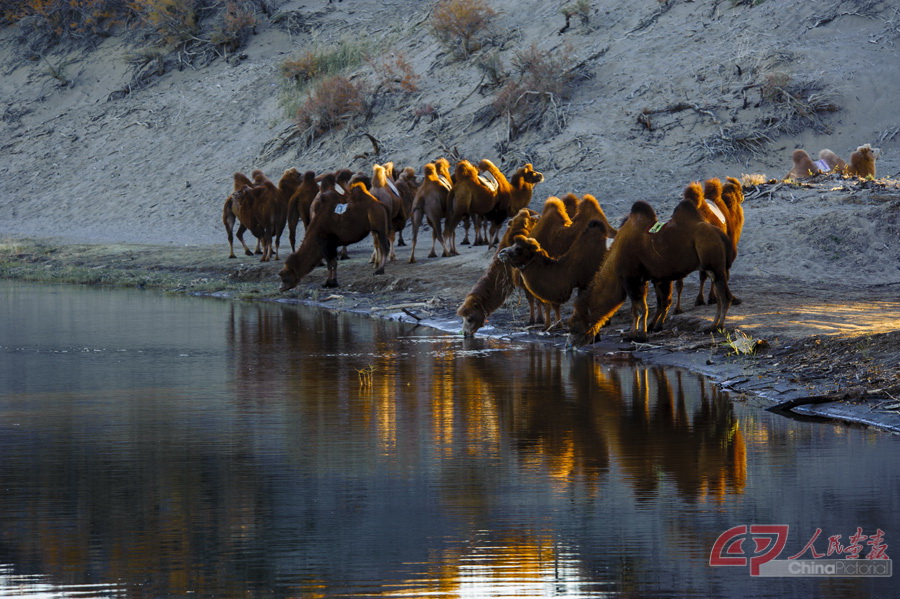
{"x":693,"y":192}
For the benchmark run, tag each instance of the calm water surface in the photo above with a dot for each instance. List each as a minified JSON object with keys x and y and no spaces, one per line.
{"x":155,"y":446}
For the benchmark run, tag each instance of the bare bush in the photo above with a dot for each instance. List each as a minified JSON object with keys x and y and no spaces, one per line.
{"x":460,"y":24}
{"x":334,"y":102}
{"x":534,"y":95}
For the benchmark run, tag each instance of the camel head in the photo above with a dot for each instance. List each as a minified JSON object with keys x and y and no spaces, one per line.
{"x":521,"y":252}
{"x":473,"y":316}
{"x":528,"y":175}
{"x":289,"y":278}
{"x":241,"y":198}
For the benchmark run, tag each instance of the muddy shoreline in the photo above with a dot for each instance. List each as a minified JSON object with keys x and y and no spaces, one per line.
{"x":858,"y":371}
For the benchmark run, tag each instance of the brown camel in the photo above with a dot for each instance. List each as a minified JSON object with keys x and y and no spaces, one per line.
{"x":257,"y":209}
{"x":229,"y":217}
{"x":299,"y":205}
{"x":498,"y":281}
{"x":431,"y":203}
{"x":386,"y":192}
{"x":512,"y":195}
{"x":645,"y":251}
{"x":803,"y":166}
{"x":862,"y":162}
{"x":470,"y":196}
{"x":830,"y":162}
{"x":407,"y":185}
{"x":337,"y":224}
{"x":552,"y":280}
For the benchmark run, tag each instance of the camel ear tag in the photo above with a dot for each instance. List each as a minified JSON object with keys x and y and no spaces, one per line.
{"x":656,"y":227}
{"x":340,"y":208}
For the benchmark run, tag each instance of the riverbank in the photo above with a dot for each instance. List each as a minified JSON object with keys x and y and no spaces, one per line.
{"x":785,"y":343}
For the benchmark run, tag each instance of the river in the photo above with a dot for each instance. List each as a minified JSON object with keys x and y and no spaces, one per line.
{"x":162,"y":446}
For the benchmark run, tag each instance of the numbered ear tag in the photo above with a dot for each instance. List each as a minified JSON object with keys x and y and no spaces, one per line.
{"x":340,"y":208}
{"x":656,"y":227}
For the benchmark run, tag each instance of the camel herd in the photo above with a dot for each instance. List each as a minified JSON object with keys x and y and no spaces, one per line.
{"x":569,"y":246}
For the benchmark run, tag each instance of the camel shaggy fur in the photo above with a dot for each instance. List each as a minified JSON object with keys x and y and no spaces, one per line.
{"x":334,"y":225}
{"x":498,"y":281}
{"x":407,"y":185}
{"x":862,"y":162}
{"x":430,"y":203}
{"x":682,"y":245}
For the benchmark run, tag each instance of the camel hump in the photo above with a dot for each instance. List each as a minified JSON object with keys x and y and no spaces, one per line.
{"x":693,"y":192}
{"x":712,"y":188}
{"x":642,"y":208}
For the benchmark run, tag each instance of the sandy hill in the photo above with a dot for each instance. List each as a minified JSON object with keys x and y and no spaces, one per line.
{"x":99,"y":146}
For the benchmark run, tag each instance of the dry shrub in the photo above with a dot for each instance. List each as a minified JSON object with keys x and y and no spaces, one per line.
{"x":541,"y":83}
{"x":334,"y":102}
{"x":65,"y":19}
{"x":395,"y":74}
{"x":459,"y":24}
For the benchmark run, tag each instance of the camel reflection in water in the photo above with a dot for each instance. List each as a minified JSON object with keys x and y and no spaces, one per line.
{"x":449,"y":425}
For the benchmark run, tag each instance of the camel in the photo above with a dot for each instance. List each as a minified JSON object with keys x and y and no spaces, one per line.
{"x":497,"y":283}
{"x":431,"y":203}
{"x":407,"y":186}
{"x":229,"y":217}
{"x":512,"y":195}
{"x":384,"y":191}
{"x":299,"y":204}
{"x":645,"y":250}
{"x":257,"y":209}
{"x":552,"y":280}
{"x":337,"y":224}
{"x":803,"y":166}
{"x":470,"y":196}
{"x":830,"y":162}
{"x":862,"y":162}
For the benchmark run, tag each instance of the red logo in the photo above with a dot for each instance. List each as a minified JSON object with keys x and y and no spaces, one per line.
{"x":768,"y":542}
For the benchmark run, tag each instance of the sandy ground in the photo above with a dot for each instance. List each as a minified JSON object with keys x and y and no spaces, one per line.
{"x":97,"y":185}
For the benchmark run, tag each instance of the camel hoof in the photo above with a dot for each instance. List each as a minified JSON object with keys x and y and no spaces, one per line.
{"x":330,"y":283}
{"x":345,"y":257}
{"x":678,"y":310}
{"x":232,"y":256}
{"x":464,"y":242}
{"x":248,"y":253}
{"x":711,"y":330}
{"x":432,"y":255}
{"x":412,"y":260}
{"x":380,"y":271}
{"x":736,"y":301}
{"x":401,"y":243}
{"x":637,"y":338}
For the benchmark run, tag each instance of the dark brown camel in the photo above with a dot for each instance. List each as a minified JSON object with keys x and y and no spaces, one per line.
{"x":671,"y":251}
{"x":337,"y":224}
{"x":552,"y":280}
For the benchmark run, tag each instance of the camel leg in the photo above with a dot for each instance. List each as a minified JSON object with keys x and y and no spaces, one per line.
{"x":229,"y":230}
{"x":663,"y":303}
{"x":699,"y":301}
{"x":292,"y":233}
{"x":466,"y":224}
{"x":679,"y":287}
{"x":416,"y":223}
{"x":723,"y":301}
{"x":385,"y":243}
{"x":638,"y":294}
{"x":240,"y":236}
{"x":450,"y":234}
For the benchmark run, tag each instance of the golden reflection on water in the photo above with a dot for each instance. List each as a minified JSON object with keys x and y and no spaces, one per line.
{"x":160,"y":498}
